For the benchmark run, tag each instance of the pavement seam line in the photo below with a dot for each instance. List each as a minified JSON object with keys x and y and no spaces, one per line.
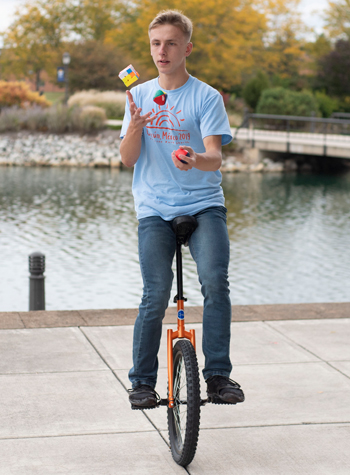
{"x":309,"y":351}
{"x":38,"y":373}
{"x":85,"y":434}
{"x":19,"y":315}
{"x":280,"y":425}
{"x":81,"y":316}
{"x":123,"y":385}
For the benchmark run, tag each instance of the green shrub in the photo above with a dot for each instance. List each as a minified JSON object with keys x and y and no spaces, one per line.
{"x":344,"y":104}
{"x":280,"y":101}
{"x":253,"y":89}
{"x":326,"y":104}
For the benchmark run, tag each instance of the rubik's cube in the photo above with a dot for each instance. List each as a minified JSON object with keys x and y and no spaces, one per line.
{"x":160,"y":97}
{"x":129,"y":75}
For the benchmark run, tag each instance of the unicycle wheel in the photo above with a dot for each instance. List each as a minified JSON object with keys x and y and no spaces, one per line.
{"x":183,"y":418}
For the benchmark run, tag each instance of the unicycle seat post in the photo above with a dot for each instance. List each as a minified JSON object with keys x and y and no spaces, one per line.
{"x":179,"y":279}
{"x":183,"y":227}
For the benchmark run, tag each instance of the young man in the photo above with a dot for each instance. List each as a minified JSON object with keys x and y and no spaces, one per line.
{"x":193,"y":118}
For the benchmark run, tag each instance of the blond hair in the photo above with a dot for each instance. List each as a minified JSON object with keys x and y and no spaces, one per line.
{"x":173,"y":17}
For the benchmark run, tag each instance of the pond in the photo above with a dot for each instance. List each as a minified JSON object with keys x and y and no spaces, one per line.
{"x":289,"y":238}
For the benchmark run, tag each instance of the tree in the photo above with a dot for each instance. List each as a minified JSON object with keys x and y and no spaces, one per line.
{"x":315,"y":50}
{"x":284,"y":55}
{"x":228,"y":37}
{"x":320,"y":47}
{"x":43,"y":29}
{"x":94,"y":19}
{"x":95,"y":65}
{"x":34,"y":40}
{"x":337,"y":18}
{"x":334,"y":73}
{"x":253,"y":89}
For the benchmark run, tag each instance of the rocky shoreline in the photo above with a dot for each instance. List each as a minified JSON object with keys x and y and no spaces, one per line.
{"x":233,"y":164}
{"x":72,"y":150}
{"x":102,"y":150}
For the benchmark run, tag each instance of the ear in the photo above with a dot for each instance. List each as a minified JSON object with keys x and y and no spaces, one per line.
{"x":189,"y":48}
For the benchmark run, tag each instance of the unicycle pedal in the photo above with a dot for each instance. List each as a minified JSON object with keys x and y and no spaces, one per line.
{"x":141,"y":408}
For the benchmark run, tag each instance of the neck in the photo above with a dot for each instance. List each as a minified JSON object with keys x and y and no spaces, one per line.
{"x":169,"y":82}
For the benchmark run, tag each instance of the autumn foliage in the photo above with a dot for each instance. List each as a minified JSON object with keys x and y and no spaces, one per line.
{"x":233,"y":40}
{"x":18,"y":93}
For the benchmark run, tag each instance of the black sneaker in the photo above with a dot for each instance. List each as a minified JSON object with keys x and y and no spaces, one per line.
{"x":222,"y":390}
{"x":143,"y":397}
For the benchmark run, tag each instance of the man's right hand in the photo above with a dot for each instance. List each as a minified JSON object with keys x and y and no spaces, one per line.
{"x":130,"y":146}
{"x":137,"y":121}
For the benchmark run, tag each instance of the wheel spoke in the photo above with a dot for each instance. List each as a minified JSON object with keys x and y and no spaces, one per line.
{"x":178,"y":414}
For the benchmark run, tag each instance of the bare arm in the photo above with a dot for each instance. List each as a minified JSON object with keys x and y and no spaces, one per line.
{"x":208,"y":161}
{"x":130,"y":146}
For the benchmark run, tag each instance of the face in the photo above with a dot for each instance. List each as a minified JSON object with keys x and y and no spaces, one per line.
{"x":169,"y":49}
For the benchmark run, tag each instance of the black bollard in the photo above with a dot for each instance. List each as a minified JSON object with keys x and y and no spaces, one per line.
{"x":36,"y":281}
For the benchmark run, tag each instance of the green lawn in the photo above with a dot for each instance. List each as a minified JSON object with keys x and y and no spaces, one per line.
{"x":114,"y":127}
{"x":54,"y":97}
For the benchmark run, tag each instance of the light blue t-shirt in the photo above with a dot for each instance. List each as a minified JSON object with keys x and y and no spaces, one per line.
{"x":191,"y":113}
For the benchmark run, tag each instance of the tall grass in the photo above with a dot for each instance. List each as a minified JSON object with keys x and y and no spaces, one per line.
{"x":56,"y":119}
{"x":112,"y":102}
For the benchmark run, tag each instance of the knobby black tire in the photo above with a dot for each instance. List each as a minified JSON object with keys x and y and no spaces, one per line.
{"x":183,"y":419}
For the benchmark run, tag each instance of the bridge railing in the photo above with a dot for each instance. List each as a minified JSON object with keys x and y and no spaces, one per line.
{"x":292,"y":124}
{"x":341,"y":115}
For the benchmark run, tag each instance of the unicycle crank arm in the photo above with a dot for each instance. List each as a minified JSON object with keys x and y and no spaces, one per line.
{"x":163,"y":402}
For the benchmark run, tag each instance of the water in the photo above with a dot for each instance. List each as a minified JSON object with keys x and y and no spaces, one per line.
{"x":289,"y":238}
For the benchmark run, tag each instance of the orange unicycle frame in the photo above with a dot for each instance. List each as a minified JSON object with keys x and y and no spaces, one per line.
{"x":180,"y":332}
{"x":171,"y":336}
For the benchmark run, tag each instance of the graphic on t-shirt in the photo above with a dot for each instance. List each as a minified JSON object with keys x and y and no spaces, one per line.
{"x":166,"y":127}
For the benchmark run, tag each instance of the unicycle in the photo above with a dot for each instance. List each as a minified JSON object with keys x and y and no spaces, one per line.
{"x":184,"y":399}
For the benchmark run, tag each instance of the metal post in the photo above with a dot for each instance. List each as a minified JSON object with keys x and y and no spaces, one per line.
{"x":288,"y":136}
{"x":36,"y":281}
{"x":313,"y":114}
{"x":66,"y":61}
{"x":251,"y":131}
{"x":245,"y":115}
{"x":325,"y":139}
{"x":66,"y":83}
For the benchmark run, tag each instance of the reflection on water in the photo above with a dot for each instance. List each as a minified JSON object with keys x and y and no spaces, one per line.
{"x":288,"y":233}
{"x":289,"y":238}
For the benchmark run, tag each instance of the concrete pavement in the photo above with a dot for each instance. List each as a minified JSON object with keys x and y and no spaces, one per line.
{"x":64,"y":406}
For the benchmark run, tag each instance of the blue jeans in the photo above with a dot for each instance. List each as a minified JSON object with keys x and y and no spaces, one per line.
{"x":210,"y":249}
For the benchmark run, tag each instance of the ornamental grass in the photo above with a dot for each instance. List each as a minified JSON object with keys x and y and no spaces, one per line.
{"x":57,"y":119}
{"x":113,"y":102}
